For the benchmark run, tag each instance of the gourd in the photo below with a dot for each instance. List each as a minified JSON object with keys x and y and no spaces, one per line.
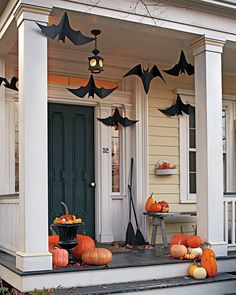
{"x":97,"y":256}
{"x":156,"y":207}
{"x":191,"y":269}
{"x":194,"y":241}
{"x":84,"y":243}
{"x":197,"y":250}
{"x":178,"y":251}
{"x":149,"y":202}
{"x":178,"y":239}
{"x":191,"y":256}
{"x":59,"y":257}
{"x":199,"y":273}
{"x":52,"y":242}
{"x":208,"y":261}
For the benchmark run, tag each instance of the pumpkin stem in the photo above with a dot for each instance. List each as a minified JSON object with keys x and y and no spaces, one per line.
{"x":66,"y":208}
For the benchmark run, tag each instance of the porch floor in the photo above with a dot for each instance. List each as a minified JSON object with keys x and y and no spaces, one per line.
{"x":132,"y":258}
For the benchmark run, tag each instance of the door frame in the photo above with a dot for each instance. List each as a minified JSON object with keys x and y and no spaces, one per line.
{"x":104,"y":199}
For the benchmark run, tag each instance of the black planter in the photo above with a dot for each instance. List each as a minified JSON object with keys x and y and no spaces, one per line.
{"x":67,"y":237}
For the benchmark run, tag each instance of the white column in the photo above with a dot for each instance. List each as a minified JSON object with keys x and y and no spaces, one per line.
{"x":32,"y":52}
{"x":105,"y":201}
{"x":2,"y":131}
{"x":208,"y":99}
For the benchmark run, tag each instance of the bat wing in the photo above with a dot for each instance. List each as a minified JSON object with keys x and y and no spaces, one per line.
{"x":155,"y":73}
{"x":127,"y":122}
{"x":103,"y":92}
{"x":12,"y":84}
{"x":187,"y":109}
{"x":148,"y":76}
{"x":171,"y":111}
{"x":77,"y":37}
{"x":137,"y":70}
{"x":3,"y":80}
{"x":81,"y":91}
{"x":109,"y":121}
{"x":173,"y":71}
{"x":190,"y":69}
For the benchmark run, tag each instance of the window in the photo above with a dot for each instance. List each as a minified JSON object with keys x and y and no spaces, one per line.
{"x":115,"y":142}
{"x":188,"y":153}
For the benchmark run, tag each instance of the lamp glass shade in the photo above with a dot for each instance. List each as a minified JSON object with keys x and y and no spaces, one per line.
{"x":95,"y":64}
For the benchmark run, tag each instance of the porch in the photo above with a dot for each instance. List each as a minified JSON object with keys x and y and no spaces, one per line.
{"x":138,"y":271}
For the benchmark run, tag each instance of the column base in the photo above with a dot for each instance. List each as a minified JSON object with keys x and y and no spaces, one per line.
{"x":219,"y":248}
{"x":33,"y":261}
{"x":106,"y":238}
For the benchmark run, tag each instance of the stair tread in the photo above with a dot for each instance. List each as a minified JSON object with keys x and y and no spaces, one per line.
{"x":146,"y":285}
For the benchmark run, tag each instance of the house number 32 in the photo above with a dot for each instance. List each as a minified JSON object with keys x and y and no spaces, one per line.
{"x":105,"y":150}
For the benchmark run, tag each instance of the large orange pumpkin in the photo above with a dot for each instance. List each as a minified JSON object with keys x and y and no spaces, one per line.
{"x":84,"y":243}
{"x":178,"y":251}
{"x":194,"y":241}
{"x":149,"y":202}
{"x":178,"y":239}
{"x":97,"y":256}
{"x":60,"y":257}
{"x":208,"y":261}
{"x":52,"y":242}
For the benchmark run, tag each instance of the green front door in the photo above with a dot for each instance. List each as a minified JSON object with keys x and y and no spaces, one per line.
{"x":71,"y":162}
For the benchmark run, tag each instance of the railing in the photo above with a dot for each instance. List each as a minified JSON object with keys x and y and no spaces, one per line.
{"x":229,"y":220}
{"x":9,"y":223}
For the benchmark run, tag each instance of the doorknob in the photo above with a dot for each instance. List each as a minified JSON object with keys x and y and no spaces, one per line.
{"x":92,"y":184}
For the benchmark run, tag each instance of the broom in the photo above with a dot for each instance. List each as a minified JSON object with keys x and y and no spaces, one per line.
{"x":140,"y":241}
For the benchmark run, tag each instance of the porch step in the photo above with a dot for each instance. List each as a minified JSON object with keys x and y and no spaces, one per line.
{"x":223,"y":282}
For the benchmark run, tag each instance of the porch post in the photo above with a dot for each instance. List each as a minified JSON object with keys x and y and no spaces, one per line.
{"x":209,"y":160}
{"x":2,"y":131}
{"x":32,"y":57}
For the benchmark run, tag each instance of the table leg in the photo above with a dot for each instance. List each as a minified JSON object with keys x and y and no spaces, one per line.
{"x":154,"y":230}
{"x":163,"y":232}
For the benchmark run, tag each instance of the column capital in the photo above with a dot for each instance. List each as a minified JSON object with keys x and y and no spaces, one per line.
{"x":205,"y":43}
{"x":31,"y":13}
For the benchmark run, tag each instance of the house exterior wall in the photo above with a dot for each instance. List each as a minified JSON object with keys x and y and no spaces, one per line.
{"x":164,"y":137}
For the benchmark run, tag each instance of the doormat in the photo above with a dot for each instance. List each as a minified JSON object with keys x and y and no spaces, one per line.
{"x":114,"y":249}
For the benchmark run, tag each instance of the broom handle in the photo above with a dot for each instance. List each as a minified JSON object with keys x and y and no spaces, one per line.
{"x":132,"y":202}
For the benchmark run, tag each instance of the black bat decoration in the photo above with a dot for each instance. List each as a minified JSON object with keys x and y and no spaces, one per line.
{"x":11,"y":85}
{"x":116,"y":118}
{"x":63,"y":29}
{"x":145,"y":75}
{"x":181,"y":67}
{"x":178,"y":108}
{"x":91,"y":89}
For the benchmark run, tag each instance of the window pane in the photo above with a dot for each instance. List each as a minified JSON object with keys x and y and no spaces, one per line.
{"x":224,"y":129}
{"x":192,"y":183}
{"x":115,"y":159}
{"x":192,"y":138}
{"x":192,"y":162}
{"x":192,"y":120}
{"x":224,"y":172}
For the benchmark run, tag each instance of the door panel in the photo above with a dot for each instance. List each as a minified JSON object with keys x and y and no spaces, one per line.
{"x":71,"y":160}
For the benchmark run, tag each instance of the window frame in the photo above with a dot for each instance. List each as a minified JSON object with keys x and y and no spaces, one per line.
{"x":228,"y":105}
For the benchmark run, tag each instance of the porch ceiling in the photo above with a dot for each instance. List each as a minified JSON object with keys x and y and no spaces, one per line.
{"x":135,"y":42}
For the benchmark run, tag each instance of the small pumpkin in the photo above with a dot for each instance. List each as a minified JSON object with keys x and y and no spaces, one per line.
{"x":194,"y":241}
{"x":191,"y":256}
{"x":191,"y":269}
{"x":178,"y":239}
{"x":178,"y":251}
{"x":199,"y":273}
{"x":84,"y":243}
{"x":149,"y":202}
{"x":97,"y":256}
{"x":52,"y":242}
{"x":208,"y":261}
{"x":197,"y":250}
{"x":60,"y":257}
{"x":156,"y":207}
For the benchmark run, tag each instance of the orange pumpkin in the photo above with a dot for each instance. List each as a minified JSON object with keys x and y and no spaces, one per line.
{"x":194,"y":241}
{"x":149,"y":202}
{"x":178,"y":239}
{"x":178,"y":251}
{"x":156,"y":207}
{"x":60,"y":257}
{"x":191,"y":269}
{"x":84,"y":243}
{"x":97,"y":256}
{"x":208,"y":261}
{"x":52,"y":242}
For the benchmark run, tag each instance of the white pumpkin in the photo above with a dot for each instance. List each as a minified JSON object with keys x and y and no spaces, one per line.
{"x":199,"y":273}
{"x":195,"y":250}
